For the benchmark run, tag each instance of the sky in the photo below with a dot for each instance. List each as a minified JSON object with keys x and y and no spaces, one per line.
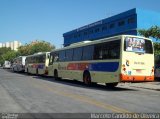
{"x":29,"y":20}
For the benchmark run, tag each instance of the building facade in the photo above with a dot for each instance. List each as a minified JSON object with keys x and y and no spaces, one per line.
{"x":128,"y":23}
{"x":13,"y":45}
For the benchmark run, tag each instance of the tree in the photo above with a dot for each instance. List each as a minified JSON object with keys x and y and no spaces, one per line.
{"x":10,"y":55}
{"x":34,"y":47}
{"x":27,"y":49}
{"x":24,"y":50}
{"x":153,"y":32}
{"x":3,"y":51}
{"x":156,"y":48}
{"x":41,"y":47}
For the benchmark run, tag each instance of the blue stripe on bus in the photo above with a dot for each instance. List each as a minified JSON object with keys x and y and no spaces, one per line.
{"x":40,"y":66}
{"x":104,"y":66}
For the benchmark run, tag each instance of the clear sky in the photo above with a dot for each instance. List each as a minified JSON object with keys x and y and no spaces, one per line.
{"x":28,"y":20}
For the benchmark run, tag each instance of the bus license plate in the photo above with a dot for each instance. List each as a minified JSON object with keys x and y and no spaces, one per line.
{"x":138,"y":70}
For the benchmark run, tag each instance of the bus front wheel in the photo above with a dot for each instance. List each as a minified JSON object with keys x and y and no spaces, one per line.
{"x":111,"y":85}
{"x":87,"y":78}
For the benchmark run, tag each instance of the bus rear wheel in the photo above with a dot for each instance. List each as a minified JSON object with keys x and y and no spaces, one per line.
{"x":37,"y":71}
{"x":56,"y":75}
{"x":13,"y":70}
{"x":27,"y":71}
{"x":111,"y":85}
{"x":87,"y":78}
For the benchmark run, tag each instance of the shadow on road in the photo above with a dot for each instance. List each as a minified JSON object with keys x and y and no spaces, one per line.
{"x":79,"y":84}
{"x":75,"y":83}
{"x":157,"y":79}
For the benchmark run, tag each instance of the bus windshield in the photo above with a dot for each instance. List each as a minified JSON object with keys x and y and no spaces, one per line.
{"x":139,"y":45}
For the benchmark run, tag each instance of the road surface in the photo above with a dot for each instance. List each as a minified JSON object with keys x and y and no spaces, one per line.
{"x":22,"y":93}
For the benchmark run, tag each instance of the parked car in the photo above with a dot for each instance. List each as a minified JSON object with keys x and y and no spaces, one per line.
{"x":7,"y":65}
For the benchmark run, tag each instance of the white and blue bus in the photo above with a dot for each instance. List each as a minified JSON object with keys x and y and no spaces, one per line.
{"x":18,"y":64}
{"x":37,"y":63}
{"x":123,"y":58}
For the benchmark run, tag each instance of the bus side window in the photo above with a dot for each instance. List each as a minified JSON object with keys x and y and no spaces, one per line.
{"x":55,"y":57}
{"x":48,"y":56}
{"x":101,"y":51}
{"x":51,"y":59}
{"x":114,"y":50}
{"x":88,"y":52}
{"x":77,"y":54}
{"x":114,"y":53}
{"x":105,"y":53}
{"x":62,"y":56}
{"x":44,"y":58}
{"x":98,"y":52}
{"x":69,"y":55}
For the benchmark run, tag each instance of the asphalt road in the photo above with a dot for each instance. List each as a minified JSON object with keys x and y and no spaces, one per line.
{"x":22,"y":93}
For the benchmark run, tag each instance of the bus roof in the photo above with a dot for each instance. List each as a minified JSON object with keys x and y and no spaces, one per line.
{"x":19,"y":57}
{"x":42,"y":53}
{"x":79,"y":44}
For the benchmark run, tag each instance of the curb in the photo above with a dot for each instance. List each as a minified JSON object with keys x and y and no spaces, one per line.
{"x":146,"y":88}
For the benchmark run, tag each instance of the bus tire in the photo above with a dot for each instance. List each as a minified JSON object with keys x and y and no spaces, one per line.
{"x":27,"y":71}
{"x":56,"y":75}
{"x":37,"y":71}
{"x":87,"y":78}
{"x":111,"y":85}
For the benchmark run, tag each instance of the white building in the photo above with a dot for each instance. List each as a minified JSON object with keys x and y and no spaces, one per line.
{"x":3,"y":45}
{"x":0,"y":45}
{"x":13,"y":45}
{"x":7,"y":44}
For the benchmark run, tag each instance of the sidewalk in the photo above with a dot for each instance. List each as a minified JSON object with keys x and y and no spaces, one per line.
{"x":145,"y":85}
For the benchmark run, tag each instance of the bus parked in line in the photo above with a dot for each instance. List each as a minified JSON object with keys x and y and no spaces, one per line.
{"x":157,"y":66}
{"x":37,"y":63}
{"x":123,"y":58}
{"x":18,"y":64}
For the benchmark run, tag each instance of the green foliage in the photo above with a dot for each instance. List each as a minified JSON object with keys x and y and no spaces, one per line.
{"x":27,"y":49}
{"x":4,"y":50}
{"x":7,"y":54}
{"x":34,"y":47}
{"x":24,"y":50}
{"x":153,"y":32}
{"x":157,"y":48}
{"x":10,"y":55}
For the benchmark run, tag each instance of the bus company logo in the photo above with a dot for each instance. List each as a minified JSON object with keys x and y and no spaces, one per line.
{"x":139,"y":63}
{"x":127,"y":62}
